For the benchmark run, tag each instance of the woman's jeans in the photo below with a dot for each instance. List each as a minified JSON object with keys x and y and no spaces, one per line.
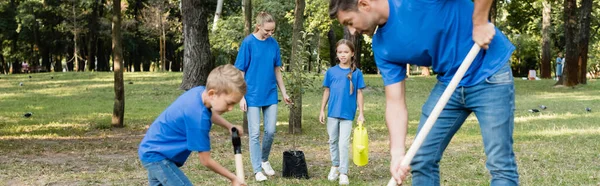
{"x":493,"y":102}
{"x":258,"y":155}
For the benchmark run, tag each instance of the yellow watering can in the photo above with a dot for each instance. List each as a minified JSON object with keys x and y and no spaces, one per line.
{"x":360,"y":145}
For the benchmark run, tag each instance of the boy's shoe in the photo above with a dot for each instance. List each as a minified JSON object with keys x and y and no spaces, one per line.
{"x":260,"y":177}
{"x":344,"y":179}
{"x":333,"y":174}
{"x":267,"y":168}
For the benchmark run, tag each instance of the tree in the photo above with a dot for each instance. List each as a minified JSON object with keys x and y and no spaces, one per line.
{"x":217,"y":14}
{"x":570,"y":75}
{"x":119,"y":105}
{"x":546,"y":58}
{"x":197,"y":59}
{"x":247,"y":10}
{"x":295,"y":120}
{"x":584,"y":39}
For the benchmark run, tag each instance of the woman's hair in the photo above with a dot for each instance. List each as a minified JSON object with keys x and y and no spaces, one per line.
{"x":263,"y":18}
{"x":352,"y":64}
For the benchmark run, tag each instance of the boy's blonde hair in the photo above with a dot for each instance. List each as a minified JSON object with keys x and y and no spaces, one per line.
{"x":263,"y":18}
{"x":226,"y":79}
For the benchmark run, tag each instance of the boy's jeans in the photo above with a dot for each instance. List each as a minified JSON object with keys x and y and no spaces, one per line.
{"x":493,"y":102}
{"x":339,"y":142}
{"x":258,"y":155}
{"x":165,"y":173}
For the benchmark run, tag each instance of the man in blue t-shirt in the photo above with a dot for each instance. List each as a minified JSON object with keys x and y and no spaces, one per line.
{"x":439,"y":33}
{"x":185,"y":125}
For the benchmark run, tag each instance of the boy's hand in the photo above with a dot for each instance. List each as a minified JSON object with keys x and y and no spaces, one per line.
{"x":322,"y":117}
{"x":243,"y":105}
{"x":238,"y":182}
{"x":239,"y":129}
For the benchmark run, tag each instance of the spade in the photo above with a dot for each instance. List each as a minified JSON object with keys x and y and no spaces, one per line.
{"x":28,"y":114}
{"x":534,"y":110}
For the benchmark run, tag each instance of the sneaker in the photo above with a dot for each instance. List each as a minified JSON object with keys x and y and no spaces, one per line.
{"x":260,"y":177}
{"x":333,"y":174}
{"x":344,"y":179}
{"x":267,"y":168}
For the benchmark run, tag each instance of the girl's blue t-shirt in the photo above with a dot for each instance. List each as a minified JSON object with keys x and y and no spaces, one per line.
{"x":258,"y":60}
{"x":341,"y":104}
{"x":435,"y":33}
{"x":182,"y":128}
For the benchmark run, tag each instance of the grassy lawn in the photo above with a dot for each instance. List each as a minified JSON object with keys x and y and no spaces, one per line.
{"x":68,"y":140}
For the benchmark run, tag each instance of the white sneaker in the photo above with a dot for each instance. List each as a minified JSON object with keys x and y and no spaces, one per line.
{"x":344,"y":179}
{"x":267,"y":168}
{"x":260,"y":177}
{"x":333,"y":174}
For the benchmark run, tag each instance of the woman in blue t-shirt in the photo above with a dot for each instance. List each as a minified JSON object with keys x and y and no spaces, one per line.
{"x":343,"y":89}
{"x":260,"y":61}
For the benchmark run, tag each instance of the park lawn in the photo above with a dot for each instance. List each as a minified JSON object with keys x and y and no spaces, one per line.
{"x":68,"y":140}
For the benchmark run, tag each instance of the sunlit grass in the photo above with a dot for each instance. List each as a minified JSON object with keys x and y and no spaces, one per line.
{"x":68,"y":140}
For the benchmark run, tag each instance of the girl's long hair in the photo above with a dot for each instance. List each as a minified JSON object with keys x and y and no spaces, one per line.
{"x":352,"y":63}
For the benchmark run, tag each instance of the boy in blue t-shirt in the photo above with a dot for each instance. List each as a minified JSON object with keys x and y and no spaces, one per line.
{"x":185,"y":125}
{"x":439,"y":33}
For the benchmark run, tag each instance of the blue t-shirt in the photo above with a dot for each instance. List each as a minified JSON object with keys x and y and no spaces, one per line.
{"x":258,"y":60}
{"x":182,"y":128}
{"x":341,"y":103}
{"x":435,"y":33}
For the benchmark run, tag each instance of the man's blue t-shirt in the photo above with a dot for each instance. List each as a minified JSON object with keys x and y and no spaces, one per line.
{"x":435,"y":33}
{"x":341,"y":103}
{"x":258,"y":60}
{"x":182,"y":128}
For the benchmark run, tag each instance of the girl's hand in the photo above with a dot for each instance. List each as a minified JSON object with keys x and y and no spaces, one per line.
{"x":243,"y":105}
{"x":361,"y":118}
{"x":322,"y":117}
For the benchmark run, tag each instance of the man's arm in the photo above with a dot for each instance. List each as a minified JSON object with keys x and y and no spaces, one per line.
{"x":396,"y":116}
{"x":483,"y":31}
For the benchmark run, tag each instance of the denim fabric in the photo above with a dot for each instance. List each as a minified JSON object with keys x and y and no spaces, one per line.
{"x":339,"y":142}
{"x":493,"y":102}
{"x":165,"y":173}
{"x":258,"y":154}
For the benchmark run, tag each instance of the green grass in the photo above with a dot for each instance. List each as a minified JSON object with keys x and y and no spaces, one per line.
{"x":68,"y":140}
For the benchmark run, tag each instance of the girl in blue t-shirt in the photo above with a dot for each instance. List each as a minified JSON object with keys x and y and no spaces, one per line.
{"x":343,"y":90}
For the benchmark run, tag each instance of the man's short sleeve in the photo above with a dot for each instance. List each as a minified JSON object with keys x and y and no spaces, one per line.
{"x":390,"y":72}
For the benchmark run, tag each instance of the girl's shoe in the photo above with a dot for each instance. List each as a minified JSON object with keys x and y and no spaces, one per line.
{"x":344,"y":179}
{"x":333,"y":174}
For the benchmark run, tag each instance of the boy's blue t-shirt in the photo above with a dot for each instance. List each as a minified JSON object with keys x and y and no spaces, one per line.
{"x":341,"y":103}
{"x":435,"y":33}
{"x":182,"y":128}
{"x":258,"y":60}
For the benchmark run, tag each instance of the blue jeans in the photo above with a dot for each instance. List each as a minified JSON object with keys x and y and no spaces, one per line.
{"x":493,"y":102}
{"x":339,"y":141}
{"x":165,"y":173}
{"x":258,"y":155}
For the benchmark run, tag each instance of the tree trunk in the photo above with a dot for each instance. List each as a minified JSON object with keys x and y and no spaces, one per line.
{"x":295,"y":120}
{"x":247,"y":9}
{"x":75,"y":35}
{"x":92,"y":37}
{"x":546,"y":25}
{"x":197,"y":59}
{"x":119,"y":105}
{"x":571,"y":69}
{"x":2,"y":63}
{"x":102,"y":57}
{"x":332,"y":47}
{"x":584,"y":34}
{"x":217,"y":14}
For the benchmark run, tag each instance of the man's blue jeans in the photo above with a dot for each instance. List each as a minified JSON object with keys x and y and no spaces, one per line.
{"x":258,"y":155}
{"x":165,"y":173}
{"x":493,"y":102}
